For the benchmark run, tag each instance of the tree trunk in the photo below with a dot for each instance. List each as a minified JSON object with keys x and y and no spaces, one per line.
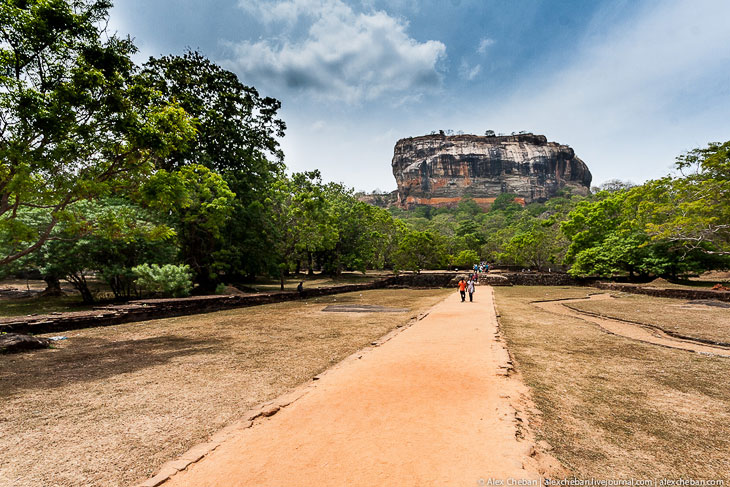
{"x":86,"y":295}
{"x":281,"y":279}
{"x":310,"y":272}
{"x":53,"y":286}
{"x":79,"y":282}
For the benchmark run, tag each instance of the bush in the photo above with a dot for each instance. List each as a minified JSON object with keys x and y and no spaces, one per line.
{"x":167,"y":280}
{"x":221,"y":288}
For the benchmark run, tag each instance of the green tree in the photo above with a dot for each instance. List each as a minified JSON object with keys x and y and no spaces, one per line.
{"x":465,"y":259}
{"x":237,"y":129}
{"x":365,"y":234}
{"x":302,"y":220}
{"x":693,"y":211}
{"x":608,"y":235}
{"x":76,"y":125}
{"x":506,"y":202}
{"x":535,"y":248}
{"x":122,"y":236}
{"x":237,"y":137}
{"x":420,"y":250}
{"x":199,"y":203}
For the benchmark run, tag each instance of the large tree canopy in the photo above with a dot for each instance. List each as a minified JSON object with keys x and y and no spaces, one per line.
{"x":693,"y":211}
{"x":237,"y":128}
{"x":237,"y":131}
{"x":74,"y":122}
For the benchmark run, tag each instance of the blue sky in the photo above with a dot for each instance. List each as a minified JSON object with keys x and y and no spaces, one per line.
{"x":628,"y":84}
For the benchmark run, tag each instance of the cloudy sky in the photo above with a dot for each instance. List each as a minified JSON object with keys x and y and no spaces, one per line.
{"x":629,"y":84}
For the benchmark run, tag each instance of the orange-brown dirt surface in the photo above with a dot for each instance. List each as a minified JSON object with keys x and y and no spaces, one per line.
{"x":433,"y":405}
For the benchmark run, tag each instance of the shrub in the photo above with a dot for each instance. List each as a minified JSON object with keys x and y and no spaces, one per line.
{"x":167,"y":280}
{"x":221,"y":288}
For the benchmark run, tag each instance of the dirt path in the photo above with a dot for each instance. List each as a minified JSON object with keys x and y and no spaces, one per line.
{"x":431,"y":406}
{"x":635,"y":331}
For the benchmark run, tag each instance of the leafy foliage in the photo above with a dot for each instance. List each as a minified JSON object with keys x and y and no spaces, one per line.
{"x":465,"y":259}
{"x":199,"y":203}
{"x":694,"y":211}
{"x":124,"y":235}
{"x":420,"y":250}
{"x":167,"y":280}
{"x":236,"y":137}
{"x":75,"y":123}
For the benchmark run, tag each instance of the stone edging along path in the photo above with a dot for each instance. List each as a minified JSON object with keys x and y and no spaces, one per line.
{"x":148,"y":309}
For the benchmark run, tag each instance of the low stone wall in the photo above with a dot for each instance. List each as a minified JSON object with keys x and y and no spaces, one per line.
{"x":534,"y":279}
{"x":689,"y":294}
{"x":147,"y":309}
{"x":494,"y":280}
{"x":424,"y":279}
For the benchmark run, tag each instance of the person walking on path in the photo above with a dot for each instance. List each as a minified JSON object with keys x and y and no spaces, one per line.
{"x":462,"y":289}
{"x":470,"y":289}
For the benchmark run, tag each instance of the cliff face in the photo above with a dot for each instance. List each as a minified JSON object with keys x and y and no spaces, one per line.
{"x":439,"y":170}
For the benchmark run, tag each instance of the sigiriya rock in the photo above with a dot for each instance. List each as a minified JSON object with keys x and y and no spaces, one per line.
{"x":438,"y":170}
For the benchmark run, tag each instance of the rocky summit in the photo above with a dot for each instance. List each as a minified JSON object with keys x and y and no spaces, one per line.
{"x":439,"y":170}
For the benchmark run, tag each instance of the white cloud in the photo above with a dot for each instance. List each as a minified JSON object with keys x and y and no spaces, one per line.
{"x":344,"y":55}
{"x":636,"y":94}
{"x":468,"y":72}
{"x":121,"y":25}
{"x":484,"y":44}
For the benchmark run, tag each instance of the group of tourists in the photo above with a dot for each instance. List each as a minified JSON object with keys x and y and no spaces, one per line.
{"x":468,"y":285}
{"x":483,"y":266}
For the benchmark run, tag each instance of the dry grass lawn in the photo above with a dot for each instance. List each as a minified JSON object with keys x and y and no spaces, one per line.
{"x":109,"y":405}
{"x":676,"y":315}
{"x":616,"y":408}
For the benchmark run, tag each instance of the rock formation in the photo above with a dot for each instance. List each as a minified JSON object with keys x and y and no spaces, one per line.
{"x":439,"y":170}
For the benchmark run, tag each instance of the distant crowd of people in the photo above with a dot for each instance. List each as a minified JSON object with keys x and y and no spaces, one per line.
{"x":483,"y":266}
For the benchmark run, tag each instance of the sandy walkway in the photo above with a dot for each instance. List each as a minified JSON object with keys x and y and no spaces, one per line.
{"x":428,"y":407}
{"x":634,"y":331}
